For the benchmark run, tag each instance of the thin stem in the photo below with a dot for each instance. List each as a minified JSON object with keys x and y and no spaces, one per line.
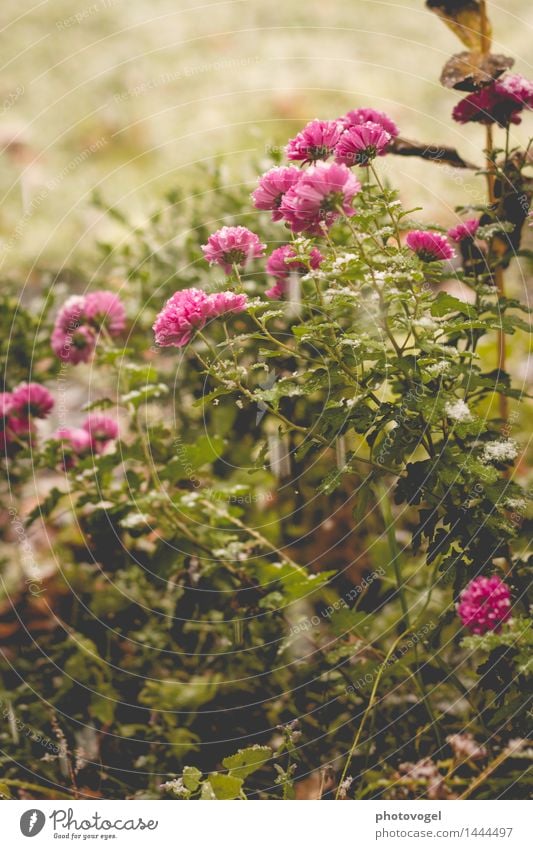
{"x":389,"y":210}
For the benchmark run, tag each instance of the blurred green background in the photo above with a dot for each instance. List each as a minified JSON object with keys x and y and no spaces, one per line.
{"x":126,"y":98}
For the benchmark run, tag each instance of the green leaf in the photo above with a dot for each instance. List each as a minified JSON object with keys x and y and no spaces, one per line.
{"x":445,"y":303}
{"x":220,"y":786}
{"x":191,"y":778}
{"x":246,"y":761}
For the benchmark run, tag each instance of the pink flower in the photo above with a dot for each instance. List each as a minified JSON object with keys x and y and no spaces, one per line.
{"x":362,"y":116}
{"x":76,"y":442}
{"x":276,"y":292}
{"x":317,"y":140}
{"x":314,"y":203}
{"x":361,"y":143}
{"x":31,"y":399}
{"x":485,"y":604}
{"x":189,"y":310}
{"x":428,"y":246}
{"x":464,"y":231}
{"x":498,"y":103}
{"x":18,"y":429}
{"x":272,"y":186}
{"x":101,"y":429}
{"x":283,"y":262}
{"x":220,"y":303}
{"x":231,"y":246}
{"x":104,"y":308}
{"x":6,"y":405}
{"x":72,"y":341}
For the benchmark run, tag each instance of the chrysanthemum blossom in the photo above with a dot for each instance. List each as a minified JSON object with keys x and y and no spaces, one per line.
{"x":484,"y":605}
{"x":73,"y":341}
{"x":465,"y":231}
{"x":105,"y":309}
{"x":189,"y":310}
{"x":6,"y":406}
{"x":429,"y":246}
{"x":272,"y":185}
{"x":501,"y":102}
{"x":231,"y":246}
{"x":284,"y":261}
{"x":102,"y":429}
{"x":31,"y":399}
{"x":317,"y":140}
{"x":220,"y":303}
{"x":361,"y":143}
{"x":76,"y":443}
{"x":316,"y":201}
{"x":363,"y":115}
{"x":277,"y":291}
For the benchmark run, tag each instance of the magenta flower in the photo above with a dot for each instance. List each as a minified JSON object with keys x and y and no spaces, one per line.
{"x":277,"y":291}
{"x":72,"y":340}
{"x":272,"y":186}
{"x":220,"y":303}
{"x":318,"y":198}
{"x":6,"y":405}
{"x":31,"y":400}
{"x":76,"y":443}
{"x":361,"y":143}
{"x":364,"y":115}
{"x":101,"y":429}
{"x":105,"y":309}
{"x":231,"y":246}
{"x":429,"y":246}
{"x":284,"y":261}
{"x":317,"y":140}
{"x":189,"y":310}
{"x":485,"y":604}
{"x":465,"y":231}
{"x":501,"y":102}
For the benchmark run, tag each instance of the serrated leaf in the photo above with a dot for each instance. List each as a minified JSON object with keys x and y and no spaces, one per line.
{"x":246,"y":761}
{"x":220,"y":786}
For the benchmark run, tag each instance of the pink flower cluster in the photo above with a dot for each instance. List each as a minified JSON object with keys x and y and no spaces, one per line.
{"x":283,"y":262}
{"x":464,"y":232}
{"x":80,"y":319}
{"x":189,"y":310}
{"x":500,"y":102}
{"x":429,"y":246}
{"x":18,"y":409}
{"x":484,"y":605}
{"x":95,"y":434}
{"x":309,"y":201}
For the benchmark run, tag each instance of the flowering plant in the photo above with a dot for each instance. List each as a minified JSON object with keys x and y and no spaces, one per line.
{"x":302,"y":513}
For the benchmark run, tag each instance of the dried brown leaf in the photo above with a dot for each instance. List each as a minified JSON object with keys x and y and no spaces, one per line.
{"x":463,"y":17}
{"x":441,"y":154}
{"x":469,"y":71}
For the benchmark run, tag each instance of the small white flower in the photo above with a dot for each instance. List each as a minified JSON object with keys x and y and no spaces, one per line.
{"x":426,"y":323}
{"x":458,"y":411}
{"x":439,"y":368}
{"x":500,"y":451}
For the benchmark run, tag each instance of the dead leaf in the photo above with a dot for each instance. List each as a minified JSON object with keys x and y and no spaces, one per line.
{"x":463,"y":17}
{"x":469,"y":71}
{"x":441,"y":154}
